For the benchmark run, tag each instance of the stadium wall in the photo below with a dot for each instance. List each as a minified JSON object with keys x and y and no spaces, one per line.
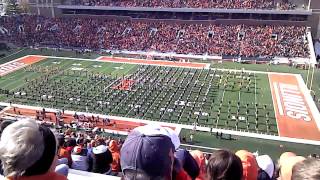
{"x":314,"y":19}
{"x":218,"y":21}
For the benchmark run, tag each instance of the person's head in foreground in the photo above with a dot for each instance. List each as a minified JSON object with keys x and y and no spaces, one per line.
{"x":266,"y":167}
{"x":249,"y":164}
{"x":286,"y":162}
{"x":200,"y":159}
{"x":28,"y":151}
{"x":102,"y":158}
{"x":308,"y":169}
{"x":224,"y":165}
{"x":148,"y":154}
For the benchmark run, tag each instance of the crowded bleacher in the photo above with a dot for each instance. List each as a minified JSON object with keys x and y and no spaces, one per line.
{"x":160,"y":36}
{"x":31,"y":150}
{"x":230,"y":4}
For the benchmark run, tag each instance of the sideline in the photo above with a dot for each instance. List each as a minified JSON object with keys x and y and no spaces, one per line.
{"x":13,"y":54}
{"x":178,"y":126}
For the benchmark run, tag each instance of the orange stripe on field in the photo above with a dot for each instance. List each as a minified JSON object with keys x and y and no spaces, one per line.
{"x":293,"y":113}
{"x":155,"y":62}
{"x":31,"y":59}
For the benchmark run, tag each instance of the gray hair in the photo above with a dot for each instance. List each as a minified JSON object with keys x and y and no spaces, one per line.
{"x":21,"y":145}
{"x":308,"y":169}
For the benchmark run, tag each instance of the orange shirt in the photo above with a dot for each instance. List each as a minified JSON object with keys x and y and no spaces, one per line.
{"x":64,"y":153}
{"x":115,"y":165}
{"x":114,"y":149}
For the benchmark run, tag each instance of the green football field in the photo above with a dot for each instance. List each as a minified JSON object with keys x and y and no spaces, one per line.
{"x":205,"y":139}
{"x":211,"y":98}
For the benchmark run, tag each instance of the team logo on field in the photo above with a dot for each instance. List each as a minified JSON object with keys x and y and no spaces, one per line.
{"x":291,"y":102}
{"x":10,"y":67}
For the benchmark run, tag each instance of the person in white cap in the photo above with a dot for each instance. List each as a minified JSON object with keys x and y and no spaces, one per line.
{"x":266,"y":166}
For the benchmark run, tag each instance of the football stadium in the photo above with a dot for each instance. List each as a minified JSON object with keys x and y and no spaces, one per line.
{"x":160,"y":89}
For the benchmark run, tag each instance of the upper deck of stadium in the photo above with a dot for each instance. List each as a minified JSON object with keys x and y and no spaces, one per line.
{"x":215,"y":4}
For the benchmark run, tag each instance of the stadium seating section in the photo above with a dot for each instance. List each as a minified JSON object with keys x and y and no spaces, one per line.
{"x":95,"y":34}
{"x":230,"y":4}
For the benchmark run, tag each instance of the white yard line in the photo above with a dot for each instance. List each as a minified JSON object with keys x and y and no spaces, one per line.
{"x":255,"y":89}
{"x":313,"y":108}
{"x":278,"y":99}
{"x":274,"y":106}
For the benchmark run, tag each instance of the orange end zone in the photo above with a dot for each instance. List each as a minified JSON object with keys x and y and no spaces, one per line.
{"x":295,"y":111}
{"x":155,"y":62}
{"x":14,"y":65}
{"x":31,"y":59}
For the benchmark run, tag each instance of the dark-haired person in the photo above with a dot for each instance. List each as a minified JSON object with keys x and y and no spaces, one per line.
{"x":188,"y":163}
{"x":63,"y":152}
{"x":28,"y":151}
{"x":224,"y":165}
{"x":308,"y":169}
{"x":63,"y":157}
{"x":200,"y":159}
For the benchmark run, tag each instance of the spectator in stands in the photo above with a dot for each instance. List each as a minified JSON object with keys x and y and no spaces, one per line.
{"x":146,"y":154}
{"x":96,"y":33}
{"x":187,"y":162}
{"x":29,"y":151}
{"x":62,"y":167}
{"x":249,"y":164}
{"x":286,"y":163}
{"x":308,"y":169}
{"x":200,"y":159}
{"x":229,"y":4}
{"x":3,"y":125}
{"x":70,"y":143}
{"x":266,"y":167}
{"x":64,"y":157}
{"x":63,"y":152}
{"x":80,"y":158}
{"x":101,"y":160}
{"x":114,"y":149}
{"x":224,"y":164}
